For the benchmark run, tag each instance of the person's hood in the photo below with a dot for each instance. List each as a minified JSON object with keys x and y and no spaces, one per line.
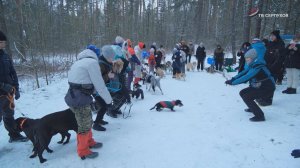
{"x":260,"y":49}
{"x":87,"y":53}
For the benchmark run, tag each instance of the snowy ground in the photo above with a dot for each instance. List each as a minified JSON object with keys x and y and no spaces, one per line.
{"x":211,"y":130}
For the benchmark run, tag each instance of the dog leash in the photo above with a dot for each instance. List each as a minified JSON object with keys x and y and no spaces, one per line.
{"x":129,"y":110}
{"x":10,"y":97}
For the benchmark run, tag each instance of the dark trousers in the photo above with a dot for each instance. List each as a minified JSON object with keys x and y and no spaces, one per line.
{"x":188,"y":58}
{"x":268,"y":99}
{"x":176,"y":70}
{"x":219,"y":65}
{"x":8,"y":117}
{"x":101,"y":108}
{"x":200,"y":64}
{"x":249,"y":94}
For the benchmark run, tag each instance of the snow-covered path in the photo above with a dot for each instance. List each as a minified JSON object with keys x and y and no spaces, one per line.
{"x":211,"y":130}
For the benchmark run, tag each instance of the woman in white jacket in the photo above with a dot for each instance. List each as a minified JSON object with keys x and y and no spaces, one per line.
{"x":84,"y":79}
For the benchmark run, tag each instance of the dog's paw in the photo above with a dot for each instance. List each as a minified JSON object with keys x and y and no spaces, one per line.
{"x":60,"y":142}
{"x":49,"y":150}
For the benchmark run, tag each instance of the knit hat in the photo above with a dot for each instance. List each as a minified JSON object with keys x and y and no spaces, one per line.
{"x":2,"y":36}
{"x":141,"y":45}
{"x":108,"y":52}
{"x":95,"y":49}
{"x":119,"y":40}
{"x":152,"y":51}
{"x":255,"y":40}
{"x":251,"y":54}
{"x":276,"y":33}
{"x":174,"y":50}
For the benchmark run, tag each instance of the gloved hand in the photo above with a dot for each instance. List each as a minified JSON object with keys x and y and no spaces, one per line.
{"x":296,"y":153}
{"x":6,"y":87}
{"x":228,"y":82}
{"x":17,"y":94}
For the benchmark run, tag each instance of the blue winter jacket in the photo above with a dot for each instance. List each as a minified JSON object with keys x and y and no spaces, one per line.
{"x":257,"y":72}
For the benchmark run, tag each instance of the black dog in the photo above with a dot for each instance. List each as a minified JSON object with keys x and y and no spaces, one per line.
{"x":137,"y":91}
{"x":40,"y":131}
{"x":167,"y":104}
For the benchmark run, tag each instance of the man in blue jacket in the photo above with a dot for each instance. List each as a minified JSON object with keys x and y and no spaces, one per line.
{"x":262,"y":84}
{"x":9,"y":87}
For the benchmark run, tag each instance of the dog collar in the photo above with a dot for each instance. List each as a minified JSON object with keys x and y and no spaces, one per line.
{"x":22,"y":123}
{"x":173,"y":102}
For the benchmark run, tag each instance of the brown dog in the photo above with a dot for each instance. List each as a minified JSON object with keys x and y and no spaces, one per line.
{"x":117,"y":66}
{"x":160,"y":72}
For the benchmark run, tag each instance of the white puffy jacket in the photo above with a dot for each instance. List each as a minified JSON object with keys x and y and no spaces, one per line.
{"x":87,"y":71}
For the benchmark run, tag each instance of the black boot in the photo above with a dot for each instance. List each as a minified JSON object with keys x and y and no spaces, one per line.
{"x":265,"y":103}
{"x":98,"y":127}
{"x":112,"y":114}
{"x":287,"y":90}
{"x":248,"y":110}
{"x":117,"y":111}
{"x":102,"y":122}
{"x":256,"y":119}
{"x":292,"y":91}
{"x":92,"y":155}
{"x":296,"y":153}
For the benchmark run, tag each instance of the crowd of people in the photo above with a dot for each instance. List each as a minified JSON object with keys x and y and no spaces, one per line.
{"x":107,"y":75}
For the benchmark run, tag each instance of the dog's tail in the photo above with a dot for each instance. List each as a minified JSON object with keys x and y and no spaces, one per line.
{"x":153,"y":107}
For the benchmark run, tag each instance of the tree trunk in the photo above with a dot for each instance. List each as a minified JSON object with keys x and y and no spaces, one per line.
{"x":233,"y":33}
{"x":266,"y":4}
{"x":247,"y":21}
{"x":286,"y":24}
{"x":22,"y":33}
{"x":259,"y":19}
{"x":3,"y":27}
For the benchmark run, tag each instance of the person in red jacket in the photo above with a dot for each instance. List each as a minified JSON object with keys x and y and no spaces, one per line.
{"x":151,"y":61}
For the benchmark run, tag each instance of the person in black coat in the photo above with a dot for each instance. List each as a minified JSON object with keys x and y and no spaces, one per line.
{"x":176,"y":65}
{"x":219,"y":57}
{"x":245,"y":47}
{"x":185,"y":48}
{"x":200,"y":55}
{"x":158,"y":59}
{"x":274,"y":58}
{"x":292,"y":65}
{"x":9,"y":89}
